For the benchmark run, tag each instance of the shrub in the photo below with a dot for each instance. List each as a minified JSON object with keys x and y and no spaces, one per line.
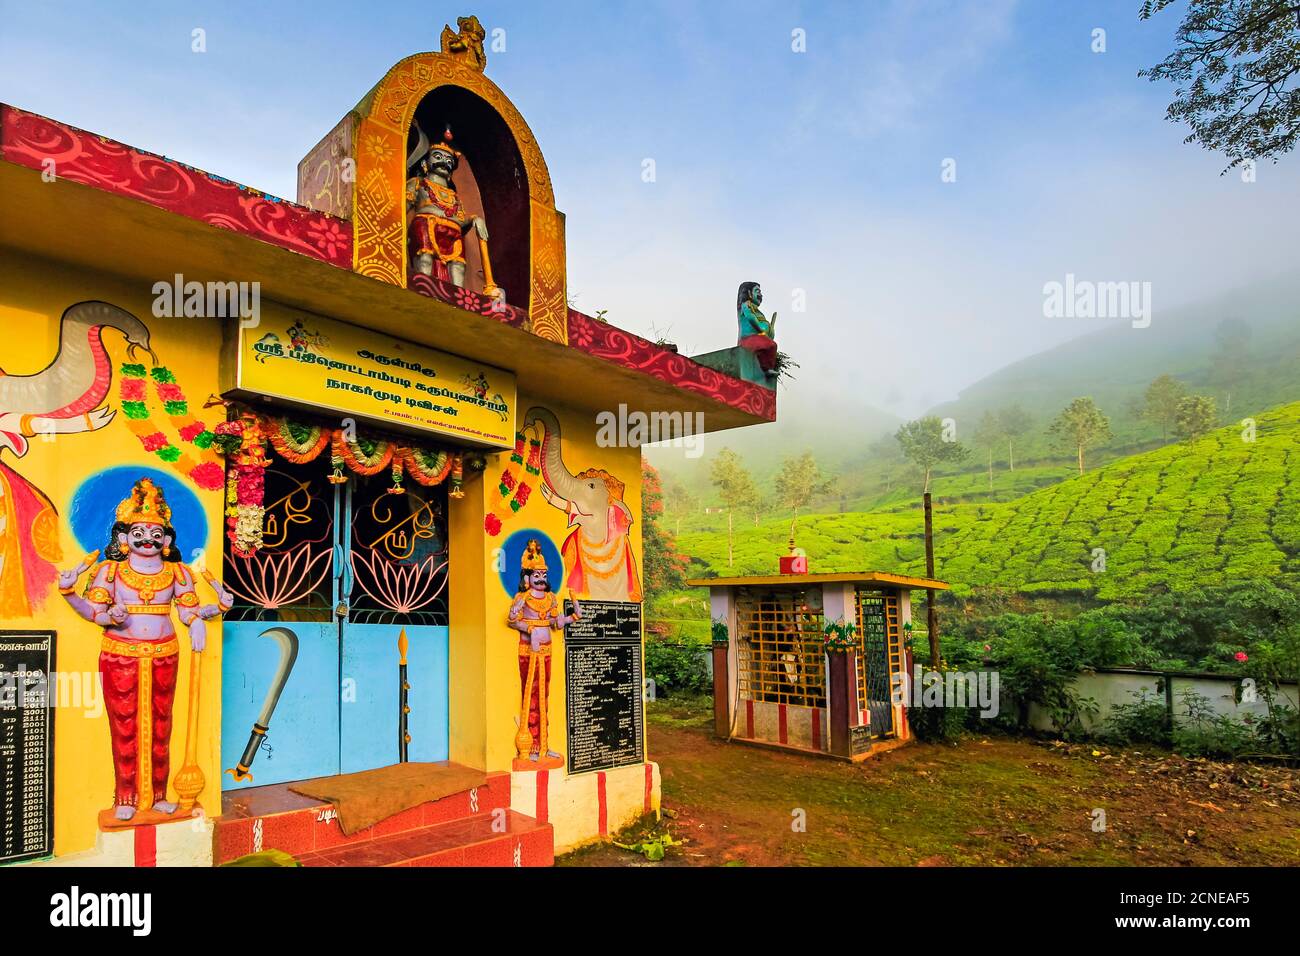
{"x":677,"y":668}
{"x":1143,"y":721}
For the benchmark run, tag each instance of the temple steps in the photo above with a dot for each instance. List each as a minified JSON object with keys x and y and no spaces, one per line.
{"x":472,"y":828}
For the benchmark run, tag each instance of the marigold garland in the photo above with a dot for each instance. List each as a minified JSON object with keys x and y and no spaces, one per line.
{"x":427,"y":468}
{"x":356,"y":457}
{"x":297,"y":443}
{"x":133,"y":393}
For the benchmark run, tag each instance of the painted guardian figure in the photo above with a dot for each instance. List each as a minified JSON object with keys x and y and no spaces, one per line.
{"x":437,"y":222}
{"x":130,"y":595}
{"x":535,"y":614}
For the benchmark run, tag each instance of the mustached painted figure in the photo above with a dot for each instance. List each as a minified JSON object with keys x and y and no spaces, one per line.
{"x":130,"y":594}
{"x":535,"y":614}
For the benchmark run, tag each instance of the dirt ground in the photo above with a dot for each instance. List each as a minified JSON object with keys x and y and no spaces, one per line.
{"x":986,"y":801}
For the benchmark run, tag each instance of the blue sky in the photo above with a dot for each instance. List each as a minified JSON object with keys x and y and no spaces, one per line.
{"x":815,"y":171}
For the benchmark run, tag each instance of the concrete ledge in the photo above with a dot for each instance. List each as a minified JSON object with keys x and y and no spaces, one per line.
{"x":586,"y":807}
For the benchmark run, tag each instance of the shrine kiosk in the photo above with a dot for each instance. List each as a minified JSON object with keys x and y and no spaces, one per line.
{"x":776,"y":683}
{"x":317,"y":485}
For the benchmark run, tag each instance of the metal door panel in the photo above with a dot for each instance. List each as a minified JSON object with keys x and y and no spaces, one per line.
{"x":302,"y":741}
{"x":371,"y":692}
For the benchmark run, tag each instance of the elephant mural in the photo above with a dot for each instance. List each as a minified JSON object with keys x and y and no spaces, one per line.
{"x":598,"y":559}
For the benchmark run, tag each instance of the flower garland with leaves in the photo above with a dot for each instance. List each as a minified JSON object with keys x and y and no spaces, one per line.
{"x":244,"y":443}
{"x":295,"y":442}
{"x":133,"y":393}
{"x":427,"y":468}
{"x":365,"y":456}
{"x":512,"y":493}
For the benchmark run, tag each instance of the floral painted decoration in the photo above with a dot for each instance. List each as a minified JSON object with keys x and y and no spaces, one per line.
{"x":839,"y":637}
{"x":202,"y":469}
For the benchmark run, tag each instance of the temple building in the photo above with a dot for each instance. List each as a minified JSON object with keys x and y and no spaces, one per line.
{"x":308,"y":542}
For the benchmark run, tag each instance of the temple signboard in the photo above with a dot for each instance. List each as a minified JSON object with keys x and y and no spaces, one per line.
{"x":332,"y":366}
{"x":26,"y":745}
{"x":603,"y":675}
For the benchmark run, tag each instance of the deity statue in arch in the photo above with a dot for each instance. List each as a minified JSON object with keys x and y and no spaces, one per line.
{"x":438,"y":225}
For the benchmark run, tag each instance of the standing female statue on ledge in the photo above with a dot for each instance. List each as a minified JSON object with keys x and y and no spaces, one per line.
{"x":757,"y":334}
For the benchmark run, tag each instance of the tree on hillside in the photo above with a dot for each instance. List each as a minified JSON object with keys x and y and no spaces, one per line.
{"x":1235,"y":68}
{"x":1231,"y":356}
{"x":663,"y":567}
{"x":988,"y":435}
{"x":924,"y":444}
{"x":679,"y":501}
{"x":1080,"y":426}
{"x":1195,"y":416}
{"x":1160,"y":403}
{"x":735,"y":488}
{"x":798,"y":482}
{"x":1014,"y":422}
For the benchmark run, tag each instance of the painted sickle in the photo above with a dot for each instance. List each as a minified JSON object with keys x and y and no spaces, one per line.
{"x":288,"y":642}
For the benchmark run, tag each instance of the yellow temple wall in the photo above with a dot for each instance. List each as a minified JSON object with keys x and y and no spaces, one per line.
{"x":484,"y":678}
{"x":34,"y":293}
{"x":485,"y":694}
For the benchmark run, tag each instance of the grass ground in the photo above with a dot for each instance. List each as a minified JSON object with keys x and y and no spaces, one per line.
{"x":985,"y":801}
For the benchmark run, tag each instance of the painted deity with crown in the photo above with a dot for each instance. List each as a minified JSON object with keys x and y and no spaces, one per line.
{"x":130,"y":594}
{"x":536,"y":615}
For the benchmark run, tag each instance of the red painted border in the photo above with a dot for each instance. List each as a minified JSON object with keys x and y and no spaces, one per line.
{"x":146,"y":846}
{"x":543,"y":806}
{"x":631,"y":351}
{"x":649,"y":787}
{"x":602,"y":804}
{"x":30,"y":140}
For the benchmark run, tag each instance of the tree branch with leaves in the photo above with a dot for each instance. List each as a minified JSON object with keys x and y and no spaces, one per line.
{"x":1236,"y":69}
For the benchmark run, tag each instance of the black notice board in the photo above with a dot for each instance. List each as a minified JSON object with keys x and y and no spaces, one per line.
{"x":603,"y":686}
{"x":26,"y":745}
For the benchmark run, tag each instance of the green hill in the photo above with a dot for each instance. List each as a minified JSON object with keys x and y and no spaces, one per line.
{"x":1212,"y":512}
{"x":1113,"y":365}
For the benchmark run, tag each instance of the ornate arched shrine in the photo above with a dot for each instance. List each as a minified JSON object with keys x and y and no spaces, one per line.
{"x":363,"y":170}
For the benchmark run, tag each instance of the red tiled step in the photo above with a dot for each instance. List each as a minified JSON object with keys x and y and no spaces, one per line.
{"x":274,"y":817}
{"x":469,"y":842}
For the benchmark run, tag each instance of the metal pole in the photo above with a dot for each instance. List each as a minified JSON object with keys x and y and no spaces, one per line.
{"x":931,"y":622}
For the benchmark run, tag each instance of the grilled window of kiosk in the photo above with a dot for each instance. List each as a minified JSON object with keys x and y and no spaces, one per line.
{"x":779,"y":649}
{"x":880,"y":655}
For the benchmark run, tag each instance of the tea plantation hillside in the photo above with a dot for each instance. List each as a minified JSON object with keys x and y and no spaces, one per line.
{"x":1212,"y":512}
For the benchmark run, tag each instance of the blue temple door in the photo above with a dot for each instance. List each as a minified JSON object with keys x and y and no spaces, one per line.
{"x":312,"y":664}
{"x":280,"y":711}
{"x":395,"y":586}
